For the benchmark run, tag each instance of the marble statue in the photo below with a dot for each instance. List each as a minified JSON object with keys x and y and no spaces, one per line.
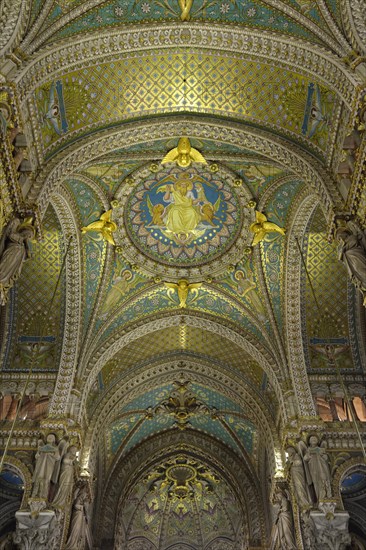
{"x":47,"y":456}
{"x":318,"y":461}
{"x":77,"y":533}
{"x":66,"y":479}
{"x":296,"y":468}
{"x":13,"y":252}
{"x":284,"y":521}
{"x":352,"y":252}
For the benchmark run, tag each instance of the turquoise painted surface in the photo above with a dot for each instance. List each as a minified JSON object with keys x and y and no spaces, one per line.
{"x":257,"y":177}
{"x":121,"y":12}
{"x":149,"y":399}
{"x":277,"y":211}
{"x":93,"y":244}
{"x":157,"y":300}
{"x":109,"y":174}
{"x":309,"y":9}
{"x":215,"y":428}
{"x":244,"y":429}
{"x":35,"y":11}
{"x":148,"y":428}
{"x":121,"y":429}
{"x":213,"y":398}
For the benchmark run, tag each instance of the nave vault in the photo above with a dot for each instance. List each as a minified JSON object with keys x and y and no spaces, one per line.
{"x":182,"y":274}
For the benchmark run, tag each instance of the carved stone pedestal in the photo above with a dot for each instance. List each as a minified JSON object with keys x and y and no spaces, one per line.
{"x":330,"y":528}
{"x":36,"y":531}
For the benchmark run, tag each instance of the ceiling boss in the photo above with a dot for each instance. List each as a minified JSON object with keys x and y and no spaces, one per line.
{"x":181,"y":220}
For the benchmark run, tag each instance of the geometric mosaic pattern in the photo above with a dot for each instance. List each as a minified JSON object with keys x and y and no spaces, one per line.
{"x":34,"y":291}
{"x":187,"y":339}
{"x":326,"y":313}
{"x":251,"y":13}
{"x":130,"y":87}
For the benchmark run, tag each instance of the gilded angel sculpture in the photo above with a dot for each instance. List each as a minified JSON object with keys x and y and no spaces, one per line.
{"x":183,"y":287}
{"x":105,"y":226}
{"x":184,"y":154}
{"x":262,"y":226}
{"x":185,"y":6}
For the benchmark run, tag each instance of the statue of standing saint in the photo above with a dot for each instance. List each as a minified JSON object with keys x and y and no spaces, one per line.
{"x":66,"y":479}
{"x":77,"y":533}
{"x":318,"y":462}
{"x":13,"y":252}
{"x":296,"y":468}
{"x":47,"y":456}
{"x":284,"y":521}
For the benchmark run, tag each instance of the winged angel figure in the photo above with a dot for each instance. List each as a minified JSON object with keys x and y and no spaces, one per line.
{"x":184,"y":154}
{"x":183,"y":287}
{"x":262,"y":226}
{"x":105,"y":226}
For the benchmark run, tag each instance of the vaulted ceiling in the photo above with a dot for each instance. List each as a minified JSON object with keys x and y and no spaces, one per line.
{"x":265,"y":91}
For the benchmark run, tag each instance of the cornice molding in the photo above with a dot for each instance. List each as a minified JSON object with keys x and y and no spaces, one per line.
{"x":107,"y":46}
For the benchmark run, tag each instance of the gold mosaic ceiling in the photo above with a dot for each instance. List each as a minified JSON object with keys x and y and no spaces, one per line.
{"x":96,"y":88}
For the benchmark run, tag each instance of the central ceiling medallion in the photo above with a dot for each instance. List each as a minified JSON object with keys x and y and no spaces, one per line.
{"x":183,"y":222}
{"x":182,"y":477}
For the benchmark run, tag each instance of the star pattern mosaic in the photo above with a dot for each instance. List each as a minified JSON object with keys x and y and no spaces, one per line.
{"x":252,"y":14}
{"x":164,"y":82}
{"x":33,"y":313}
{"x":326,"y":318}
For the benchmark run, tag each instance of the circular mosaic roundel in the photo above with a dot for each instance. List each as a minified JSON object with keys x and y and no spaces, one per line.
{"x":181,"y":218}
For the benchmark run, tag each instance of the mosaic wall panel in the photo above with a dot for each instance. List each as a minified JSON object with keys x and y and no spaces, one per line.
{"x":157,"y":300}
{"x":109,"y":174}
{"x":182,"y":338}
{"x":120,"y":12}
{"x":273,"y":246}
{"x":104,"y":95}
{"x":258,"y":177}
{"x":153,"y":513}
{"x":32,"y":299}
{"x":89,"y":210}
{"x":326,"y":326}
{"x":133,"y":415}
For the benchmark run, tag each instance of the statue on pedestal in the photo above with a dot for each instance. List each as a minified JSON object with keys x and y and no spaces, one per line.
{"x":47,"y":456}
{"x":66,"y":479}
{"x":318,"y":461}
{"x":298,"y":472}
